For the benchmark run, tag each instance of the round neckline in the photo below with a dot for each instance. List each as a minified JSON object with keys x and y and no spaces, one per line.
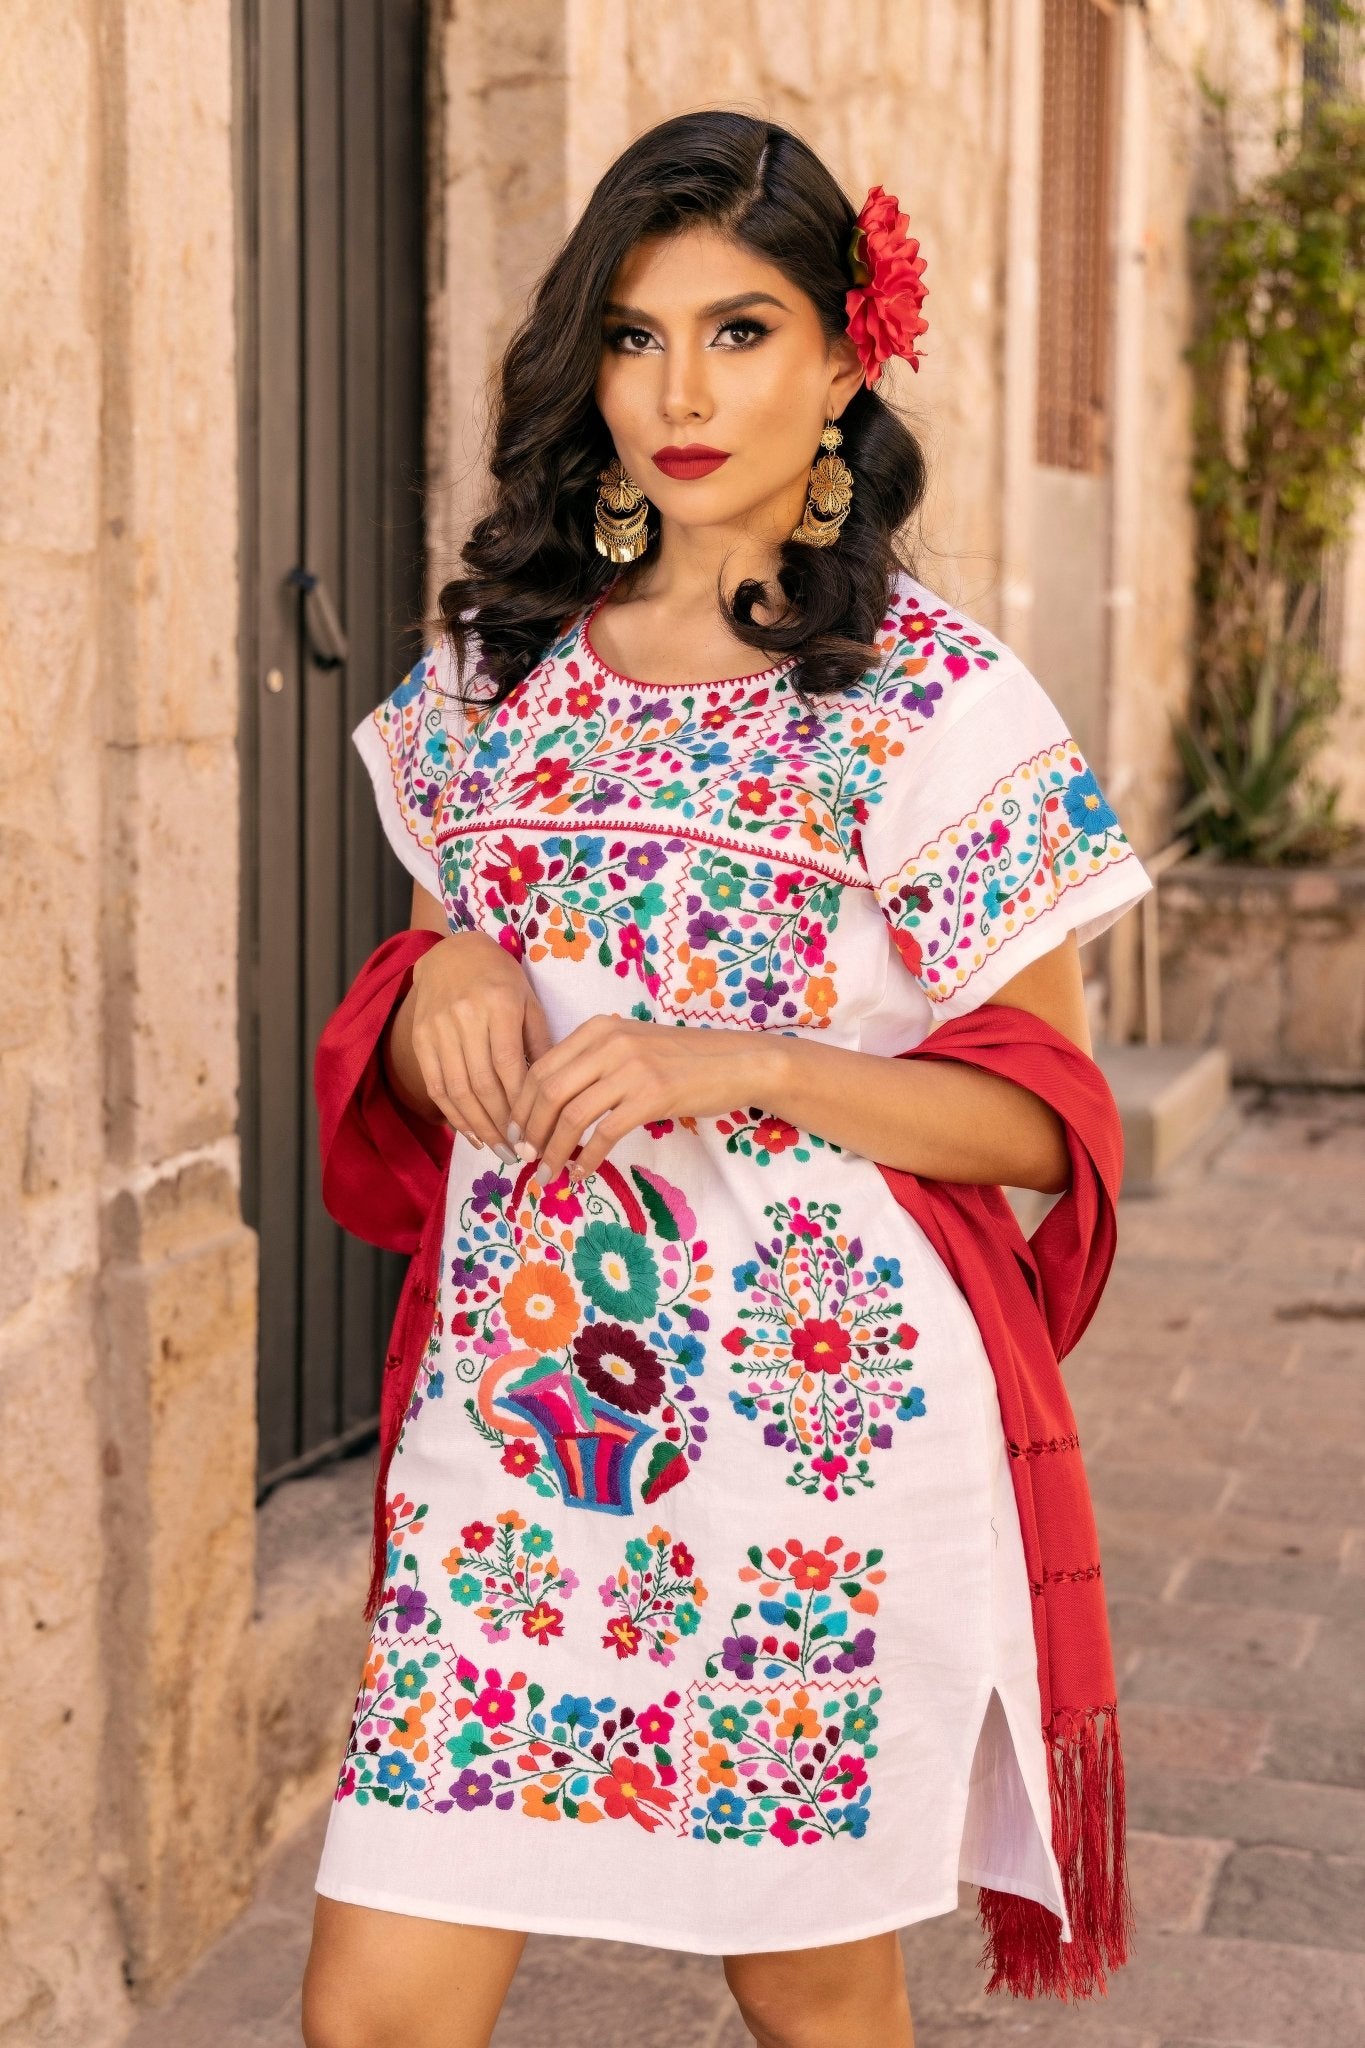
{"x":759,"y":675}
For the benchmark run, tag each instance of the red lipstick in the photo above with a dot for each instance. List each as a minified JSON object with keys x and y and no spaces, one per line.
{"x":696,"y":459}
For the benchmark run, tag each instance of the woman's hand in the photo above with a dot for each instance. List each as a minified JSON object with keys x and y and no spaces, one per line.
{"x":616,"y":1073}
{"x":473,"y":1024}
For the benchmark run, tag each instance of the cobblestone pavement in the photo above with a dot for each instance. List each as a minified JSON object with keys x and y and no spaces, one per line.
{"x":1221,"y":1397}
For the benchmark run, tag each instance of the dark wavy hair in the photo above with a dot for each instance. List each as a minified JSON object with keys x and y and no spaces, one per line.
{"x":531,"y":560}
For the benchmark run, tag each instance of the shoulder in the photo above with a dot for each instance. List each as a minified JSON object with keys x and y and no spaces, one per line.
{"x":934,"y":662}
{"x":412,"y":742}
{"x":939,"y":671}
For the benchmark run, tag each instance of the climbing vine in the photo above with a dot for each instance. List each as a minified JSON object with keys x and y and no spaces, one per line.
{"x":1279,"y":361}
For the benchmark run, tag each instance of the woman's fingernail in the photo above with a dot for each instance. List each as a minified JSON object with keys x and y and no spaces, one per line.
{"x":506,"y":1154}
{"x":525,"y":1151}
{"x":514,"y":1134}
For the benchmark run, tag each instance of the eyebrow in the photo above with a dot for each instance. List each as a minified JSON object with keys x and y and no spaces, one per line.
{"x":711,"y":312}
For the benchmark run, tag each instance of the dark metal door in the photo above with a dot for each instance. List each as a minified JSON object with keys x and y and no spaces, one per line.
{"x":332,"y":319}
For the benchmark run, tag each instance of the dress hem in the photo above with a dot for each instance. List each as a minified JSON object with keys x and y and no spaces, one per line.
{"x":611,"y":1930}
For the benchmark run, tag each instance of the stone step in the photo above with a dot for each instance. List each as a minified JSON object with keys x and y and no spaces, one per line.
{"x":1176,"y":1102}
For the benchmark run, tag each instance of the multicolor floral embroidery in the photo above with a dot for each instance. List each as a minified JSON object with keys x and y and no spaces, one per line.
{"x":740,"y":763}
{"x":405,"y":1604}
{"x":580,"y":1759}
{"x":751,"y":937}
{"x":810,"y":1633}
{"x":655,"y":1597}
{"x":922,"y":651}
{"x":824,"y":1359}
{"x":789,"y":1764}
{"x":421,"y":728}
{"x":582,"y":1316}
{"x":561,"y":895}
{"x":755,"y":1135}
{"x":390,"y":1744}
{"x":511,"y":1576}
{"x":1042,"y":829}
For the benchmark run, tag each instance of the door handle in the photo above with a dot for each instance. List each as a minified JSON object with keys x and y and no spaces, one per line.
{"x":327,"y":641}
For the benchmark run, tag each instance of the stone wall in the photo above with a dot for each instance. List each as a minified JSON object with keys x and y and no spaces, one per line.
{"x":1270,"y":964}
{"x":126,"y":1277}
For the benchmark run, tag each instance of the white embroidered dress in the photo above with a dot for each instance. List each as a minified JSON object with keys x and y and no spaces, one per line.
{"x":707,"y":1622}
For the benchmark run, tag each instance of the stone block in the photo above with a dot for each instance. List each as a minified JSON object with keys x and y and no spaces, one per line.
{"x":1251,"y":1994}
{"x":1185,"y":1678}
{"x":1269,"y":964}
{"x":1319,"y":1750}
{"x":1170,"y":1097}
{"x":1337,"y":1658}
{"x":1238,"y":1636}
{"x":1324,"y":1035}
{"x":49,"y":345}
{"x":1252,"y":1537}
{"x":173,"y":1077}
{"x":1274,"y":1894}
{"x":1329,"y":1820}
{"x":1301,"y":1585}
{"x":1209,"y":1742}
{"x":1299,"y":1491}
{"x":1172,"y":1878}
{"x":308,"y":1635}
{"x":177,"y":1394}
{"x":1173,"y":1489}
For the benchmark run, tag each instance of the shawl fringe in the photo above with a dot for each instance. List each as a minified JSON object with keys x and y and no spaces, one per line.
{"x":1023,"y":1951}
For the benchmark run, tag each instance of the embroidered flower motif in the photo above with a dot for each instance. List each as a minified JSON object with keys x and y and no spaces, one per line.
{"x":1041,"y":830}
{"x":656,"y":1595}
{"x":579,"y":1760}
{"x":817,"y":1349}
{"x":617,"y":1271}
{"x":619,"y":1366}
{"x":822,"y":1345}
{"x":632,"y":1789}
{"x":471,"y":1789}
{"x":520,"y":1457}
{"x":542,"y":1308}
{"x":1086,"y":804}
{"x":781,"y":1765}
{"x":514,"y":870}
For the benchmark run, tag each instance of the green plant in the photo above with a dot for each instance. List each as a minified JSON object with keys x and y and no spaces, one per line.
{"x":1279,"y":359}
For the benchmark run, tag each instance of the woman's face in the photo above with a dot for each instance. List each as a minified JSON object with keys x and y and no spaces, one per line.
{"x":705,"y":342}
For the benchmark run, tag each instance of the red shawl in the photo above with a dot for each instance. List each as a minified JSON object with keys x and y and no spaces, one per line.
{"x":384,"y":1175}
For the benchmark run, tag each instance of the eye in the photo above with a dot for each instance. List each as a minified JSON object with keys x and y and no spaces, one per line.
{"x":751,"y":331}
{"x":617,"y":337}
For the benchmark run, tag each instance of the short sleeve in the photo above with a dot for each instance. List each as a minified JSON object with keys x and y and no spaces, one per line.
{"x":997,"y":843}
{"x":412,"y":744}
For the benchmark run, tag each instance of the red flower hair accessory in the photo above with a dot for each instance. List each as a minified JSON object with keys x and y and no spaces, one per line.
{"x":883,"y":306}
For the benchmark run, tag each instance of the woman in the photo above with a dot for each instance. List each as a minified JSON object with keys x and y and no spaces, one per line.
{"x":704,"y":1553}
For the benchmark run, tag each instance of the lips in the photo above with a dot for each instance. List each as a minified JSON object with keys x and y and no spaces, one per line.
{"x":695,"y":460}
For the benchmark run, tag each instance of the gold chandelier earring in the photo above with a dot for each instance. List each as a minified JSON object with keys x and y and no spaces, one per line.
{"x":622,"y":511}
{"x":829,"y":495}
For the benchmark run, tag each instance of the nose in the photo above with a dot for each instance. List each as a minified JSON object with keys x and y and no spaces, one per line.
{"x":684,"y":394}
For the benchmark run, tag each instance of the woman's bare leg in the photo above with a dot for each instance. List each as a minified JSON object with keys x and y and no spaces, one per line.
{"x":849,"y":1995}
{"x":392,"y":1980}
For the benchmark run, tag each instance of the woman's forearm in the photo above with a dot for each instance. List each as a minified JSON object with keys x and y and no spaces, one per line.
{"x":940,"y":1121}
{"x":401,"y":1063}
